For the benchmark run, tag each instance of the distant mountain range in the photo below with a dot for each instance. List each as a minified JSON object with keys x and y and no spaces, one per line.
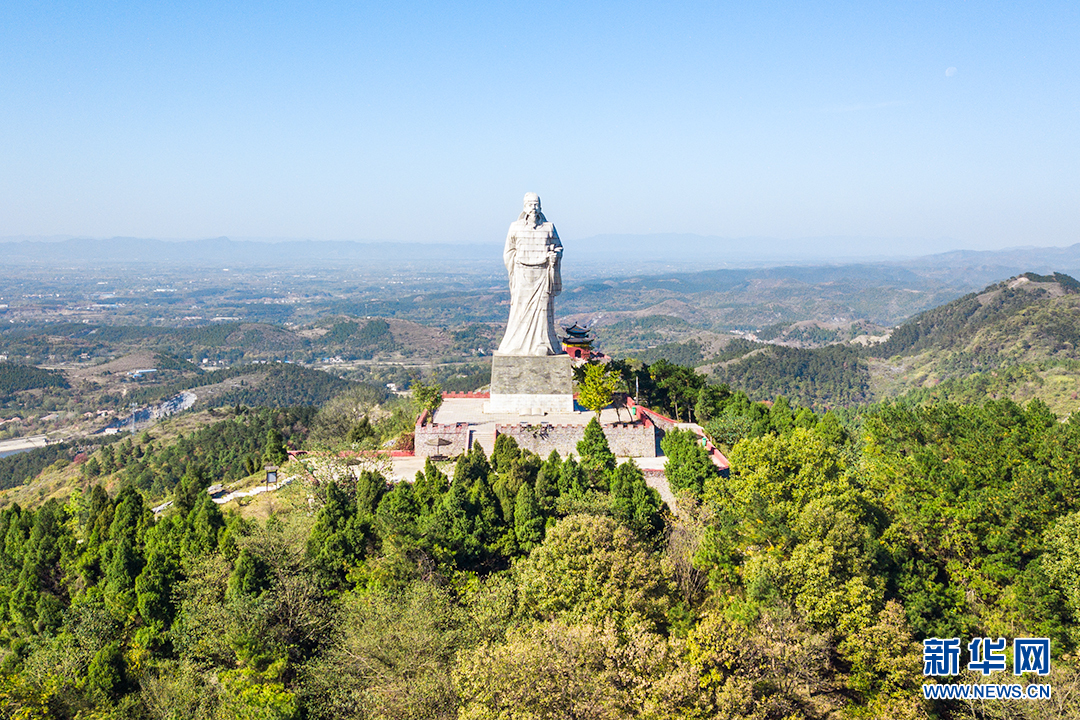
{"x":1026,"y":318}
{"x":239,"y":253}
{"x":717,"y":251}
{"x":1017,"y":338}
{"x":617,"y":254}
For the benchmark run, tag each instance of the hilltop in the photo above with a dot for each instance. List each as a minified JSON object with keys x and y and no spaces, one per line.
{"x":1018,"y":338}
{"x":1029,"y":317}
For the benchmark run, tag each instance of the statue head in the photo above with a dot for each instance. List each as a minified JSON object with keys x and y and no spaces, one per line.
{"x":531,"y":213}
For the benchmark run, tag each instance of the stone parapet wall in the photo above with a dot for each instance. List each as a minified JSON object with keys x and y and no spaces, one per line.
{"x":625,"y":439}
{"x":542,"y":439}
{"x":666,"y":424}
{"x":633,"y":440}
{"x":426,"y":440}
{"x":662,"y":421}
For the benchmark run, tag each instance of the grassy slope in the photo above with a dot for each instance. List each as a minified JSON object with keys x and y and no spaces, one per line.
{"x":62,"y":479}
{"x":1019,"y":338}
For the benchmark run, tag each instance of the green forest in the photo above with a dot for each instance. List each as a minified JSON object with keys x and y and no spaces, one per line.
{"x":16,"y":378}
{"x":21,"y":468}
{"x":826,"y":377}
{"x":1009,"y":336}
{"x":799,"y":584}
{"x":233,"y":342}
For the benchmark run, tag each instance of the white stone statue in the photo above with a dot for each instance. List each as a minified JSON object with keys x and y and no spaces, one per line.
{"x":532,"y":256}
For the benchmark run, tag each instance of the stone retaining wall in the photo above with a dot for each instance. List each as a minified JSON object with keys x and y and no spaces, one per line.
{"x":427,"y":437}
{"x":633,"y":440}
{"x":625,"y":439}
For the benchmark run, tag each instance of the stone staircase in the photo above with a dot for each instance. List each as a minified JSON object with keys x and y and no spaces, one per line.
{"x":485,"y":435}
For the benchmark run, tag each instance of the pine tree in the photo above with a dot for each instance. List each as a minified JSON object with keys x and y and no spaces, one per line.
{"x":505,"y":452}
{"x":688,"y":466}
{"x":188,"y":490}
{"x":594,"y":449}
{"x":130,"y":515}
{"x":154,"y":586}
{"x":781,"y":416}
{"x":547,"y":490}
{"x":455,"y":525}
{"x":274,"y":451}
{"x":571,"y":478}
{"x":105,"y":674}
{"x":633,"y":502}
{"x":120,"y":574}
{"x":395,"y":518}
{"x":711,"y":402}
{"x":831,"y":430}
{"x":361,"y":431}
{"x":202,"y":526}
{"x":506,"y":487}
{"x":329,"y":549}
{"x":370,"y":488}
{"x":528,"y":522}
{"x":429,"y":486}
{"x":471,"y":465}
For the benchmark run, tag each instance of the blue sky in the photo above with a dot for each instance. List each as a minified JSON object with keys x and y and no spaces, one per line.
{"x":427,"y":122}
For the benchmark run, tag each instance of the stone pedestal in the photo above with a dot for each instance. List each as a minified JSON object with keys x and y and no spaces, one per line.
{"x":531,"y":385}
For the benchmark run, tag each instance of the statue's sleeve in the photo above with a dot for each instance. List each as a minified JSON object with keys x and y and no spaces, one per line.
{"x":556,"y":280}
{"x":509,"y":253}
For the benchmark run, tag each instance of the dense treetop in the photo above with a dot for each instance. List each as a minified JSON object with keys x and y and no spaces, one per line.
{"x":796,"y":585}
{"x":16,"y":378}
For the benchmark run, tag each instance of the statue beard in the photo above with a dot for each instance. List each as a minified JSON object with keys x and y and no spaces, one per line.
{"x":534,"y":218}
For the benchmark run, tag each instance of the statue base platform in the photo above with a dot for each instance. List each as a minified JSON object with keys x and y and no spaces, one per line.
{"x":531,"y":384}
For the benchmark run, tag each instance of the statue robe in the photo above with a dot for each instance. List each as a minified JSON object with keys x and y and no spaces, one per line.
{"x":535,"y":280}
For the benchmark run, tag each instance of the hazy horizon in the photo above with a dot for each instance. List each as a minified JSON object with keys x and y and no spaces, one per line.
{"x":760,"y":248}
{"x":899,"y":246}
{"x":593,"y":257}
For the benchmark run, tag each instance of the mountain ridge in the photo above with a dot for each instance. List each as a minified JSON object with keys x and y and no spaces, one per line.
{"x":622,"y":252}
